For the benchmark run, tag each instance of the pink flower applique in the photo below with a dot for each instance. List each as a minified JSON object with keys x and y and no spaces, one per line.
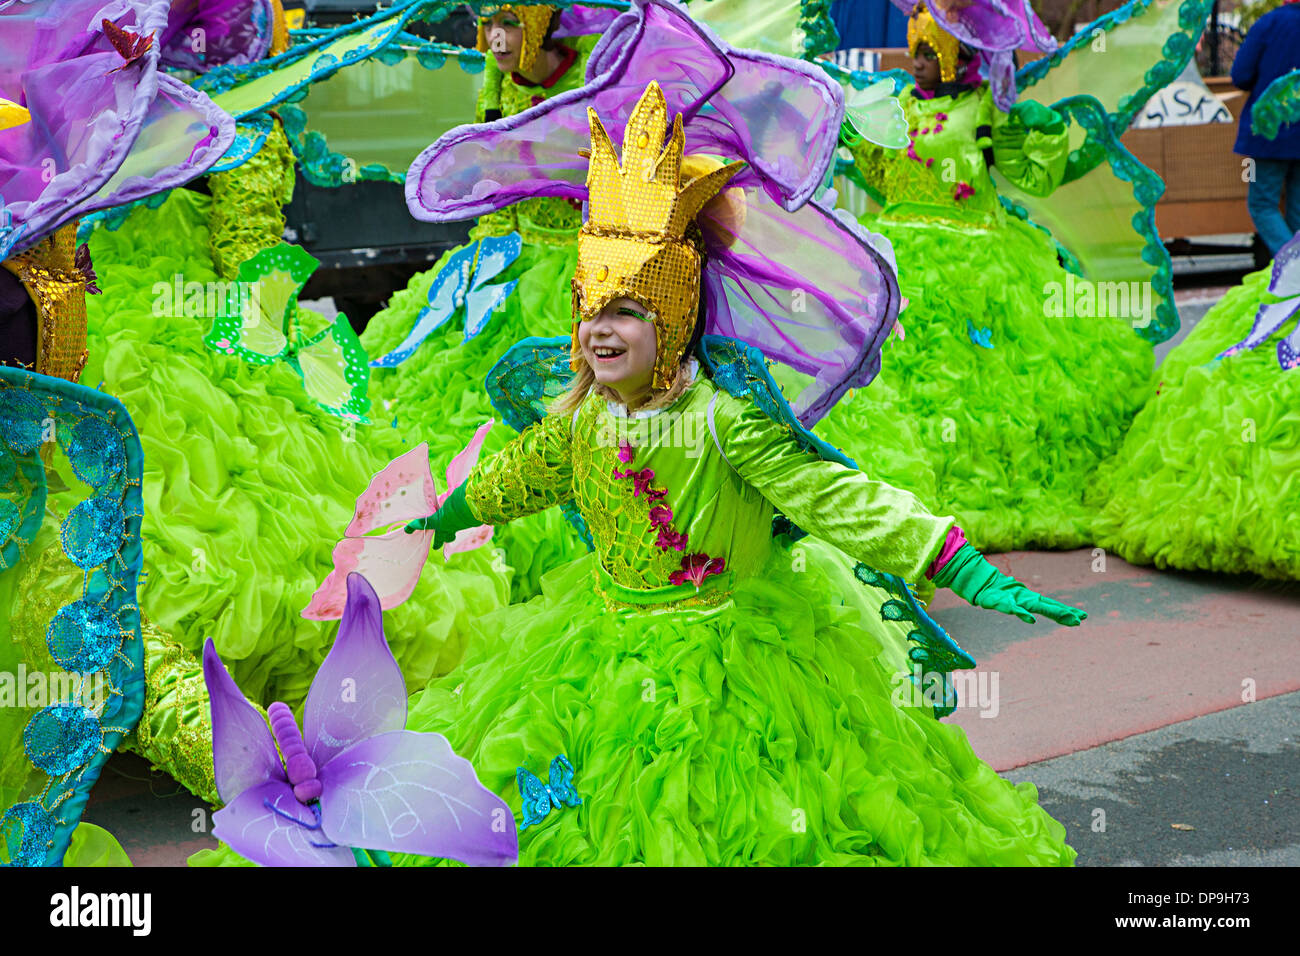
{"x":941,"y":116}
{"x":963,"y":190}
{"x":661,"y":515}
{"x":625,"y":453}
{"x":697,"y":567}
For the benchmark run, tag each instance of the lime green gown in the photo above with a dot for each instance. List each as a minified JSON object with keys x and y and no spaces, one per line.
{"x":748,"y":713}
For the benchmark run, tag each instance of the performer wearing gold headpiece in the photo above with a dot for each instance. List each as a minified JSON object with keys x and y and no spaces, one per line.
{"x":695,"y":700}
{"x":998,"y":408}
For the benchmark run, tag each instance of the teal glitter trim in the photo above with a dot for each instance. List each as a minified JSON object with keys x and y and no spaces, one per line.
{"x":70,"y":740}
{"x":936,"y":653}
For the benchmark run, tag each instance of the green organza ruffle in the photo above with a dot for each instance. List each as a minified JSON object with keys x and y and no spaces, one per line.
{"x":438,"y":394}
{"x":1208,"y":477}
{"x":760,"y":732}
{"x":247,"y":484}
{"x":1004,"y":438}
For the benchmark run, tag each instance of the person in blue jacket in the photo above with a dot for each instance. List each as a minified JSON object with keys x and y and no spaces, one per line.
{"x":1271,"y":49}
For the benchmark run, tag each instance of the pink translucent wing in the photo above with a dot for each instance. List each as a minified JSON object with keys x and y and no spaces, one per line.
{"x":243,"y":750}
{"x":402,"y":491}
{"x":391,"y":562}
{"x":463,"y":463}
{"x":410,"y":793}
{"x":359,"y":691}
{"x":269,"y":826}
{"x":468,"y":540}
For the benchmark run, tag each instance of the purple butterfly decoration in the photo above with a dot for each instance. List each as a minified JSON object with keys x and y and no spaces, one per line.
{"x":354,"y":777}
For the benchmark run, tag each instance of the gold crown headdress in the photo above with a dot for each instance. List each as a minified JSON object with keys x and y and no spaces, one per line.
{"x":535,"y":20}
{"x":922,"y":28}
{"x":633,"y":244}
{"x":49,"y":273}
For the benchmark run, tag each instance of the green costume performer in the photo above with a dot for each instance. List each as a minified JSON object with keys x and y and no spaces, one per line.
{"x":994,"y":405}
{"x":1208,"y":477}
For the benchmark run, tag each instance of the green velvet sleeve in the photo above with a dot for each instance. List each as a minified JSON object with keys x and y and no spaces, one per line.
{"x":532,"y":473}
{"x":1031,"y":146}
{"x":882,"y":526}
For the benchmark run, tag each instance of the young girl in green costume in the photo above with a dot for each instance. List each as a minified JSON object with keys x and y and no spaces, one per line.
{"x":990,"y":406}
{"x":698,"y":697}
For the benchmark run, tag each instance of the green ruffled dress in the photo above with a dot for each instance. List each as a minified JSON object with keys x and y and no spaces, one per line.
{"x":248,"y":485}
{"x":990,"y":408}
{"x":754,"y":719}
{"x":437,"y":394}
{"x":1208,"y":477}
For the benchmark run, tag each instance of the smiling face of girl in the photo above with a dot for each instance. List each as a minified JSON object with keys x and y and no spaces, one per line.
{"x":620,"y":346}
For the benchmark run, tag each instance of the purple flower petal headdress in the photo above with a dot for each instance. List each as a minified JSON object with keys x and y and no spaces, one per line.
{"x":811,"y":290}
{"x":102,"y":131}
{"x":997,"y":28}
{"x":201,"y":34}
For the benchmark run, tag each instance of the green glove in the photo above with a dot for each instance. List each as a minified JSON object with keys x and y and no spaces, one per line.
{"x":973,"y":579}
{"x":1035,"y":116}
{"x":454,"y":516}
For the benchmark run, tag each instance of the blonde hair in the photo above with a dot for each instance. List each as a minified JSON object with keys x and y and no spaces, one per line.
{"x":584,"y":382}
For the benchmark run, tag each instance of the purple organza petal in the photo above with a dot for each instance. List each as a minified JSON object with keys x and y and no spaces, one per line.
{"x":183,"y":134}
{"x":781,"y":116}
{"x":809,"y":290}
{"x":582,"y":20}
{"x":410,"y":793}
{"x":90,"y":113}
{"x":359,"y":691}
{"x":1285,"y":279}
{"x":201,"y":34}
{"x":268,"y":825}
{"x":243,"y":750}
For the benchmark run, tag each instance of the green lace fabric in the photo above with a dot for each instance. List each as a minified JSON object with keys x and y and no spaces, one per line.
{"x":246,"y":214}
{"x":542,"y":220}
{"x":943,"y":174}
{"x":718,"y":500}
{"x":175,"y":731}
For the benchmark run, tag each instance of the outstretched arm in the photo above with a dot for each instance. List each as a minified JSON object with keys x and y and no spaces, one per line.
{"x":882,"y":526}
{"x":532,"y":473}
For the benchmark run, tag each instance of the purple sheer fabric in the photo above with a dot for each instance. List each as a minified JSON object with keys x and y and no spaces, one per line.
{"x":997,"y":28}
{"x":807,"y":289}
{"x":582,"y":20}
{"x":100,"y":133}
{"x":232,"y":31}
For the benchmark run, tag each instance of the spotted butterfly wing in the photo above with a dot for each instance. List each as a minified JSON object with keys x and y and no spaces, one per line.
{"x":254,"y":325}
{"x":334,"y":369}
{"x":561,"y":782}
{"x":536,"y":798}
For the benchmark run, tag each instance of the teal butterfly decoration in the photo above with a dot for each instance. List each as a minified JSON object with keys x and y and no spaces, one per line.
{"x":540,"y":797}
{"x":981,"y":337}
{"x":262,"y":323}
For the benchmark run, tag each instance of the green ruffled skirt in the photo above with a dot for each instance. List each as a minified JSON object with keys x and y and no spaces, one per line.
{"x":248,"y":485}
{"x":1005,"y":438}
{"x":761,"y":731}
{"x":438,"y":395}
{"x":1208,"y":478}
